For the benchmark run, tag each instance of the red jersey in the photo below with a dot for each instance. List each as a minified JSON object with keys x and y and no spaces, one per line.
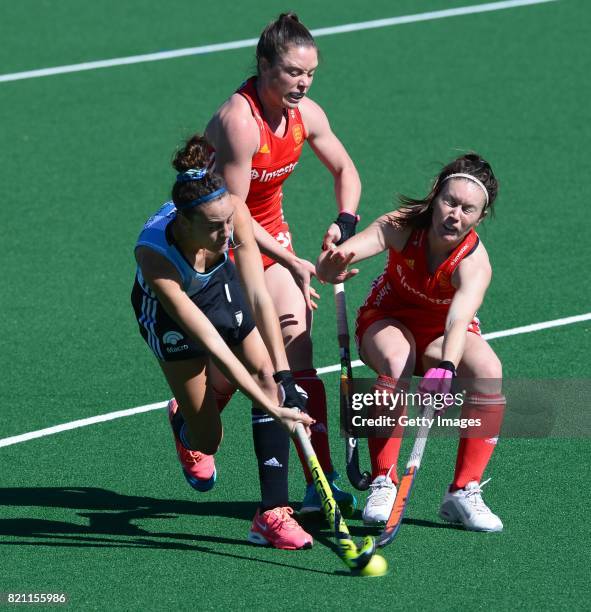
{"x":408,"y":292}
{"x":275,"y":160}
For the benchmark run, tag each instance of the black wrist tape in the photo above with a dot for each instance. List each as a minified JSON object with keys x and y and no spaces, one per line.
{"x":347,"y":223}
{"x":448,"y":365}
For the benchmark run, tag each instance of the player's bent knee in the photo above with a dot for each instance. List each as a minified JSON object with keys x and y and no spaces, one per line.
{"x":487,"y":376}
{"x":398,"y":365}
{"x":491,"y":368}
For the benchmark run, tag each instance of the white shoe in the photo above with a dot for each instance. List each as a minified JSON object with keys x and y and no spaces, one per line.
{"x":467,"y":507}
{"x":380,"y":501}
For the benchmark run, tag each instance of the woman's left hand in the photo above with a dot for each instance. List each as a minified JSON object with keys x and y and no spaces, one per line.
{"x":290,"y":417}
{"x":302,"y":271}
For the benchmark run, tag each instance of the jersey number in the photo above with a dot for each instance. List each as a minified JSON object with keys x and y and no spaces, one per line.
{"x":284,"y":239}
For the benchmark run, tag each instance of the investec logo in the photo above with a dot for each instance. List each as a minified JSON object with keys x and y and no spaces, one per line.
{"x":172,"y":338}
{"x":265,"y":176}
{"x":418,"y":293}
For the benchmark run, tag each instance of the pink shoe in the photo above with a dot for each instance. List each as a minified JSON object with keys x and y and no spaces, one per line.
{"x":276,"y":528}
{"x":198,"y":469}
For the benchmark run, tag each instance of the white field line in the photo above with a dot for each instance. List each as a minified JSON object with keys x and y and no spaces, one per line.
{"x":101,"y":418}
{"x":251,"y":42}
{"x":514,"y":331}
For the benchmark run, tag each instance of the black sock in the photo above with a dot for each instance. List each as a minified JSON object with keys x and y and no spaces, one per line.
{"x":180,"y":429}
{"x":271,"y":446}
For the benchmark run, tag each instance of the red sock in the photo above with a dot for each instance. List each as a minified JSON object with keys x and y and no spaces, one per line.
{"x":477,"y":443}
{"x":384,"y":451}
{"x":316,"y":407}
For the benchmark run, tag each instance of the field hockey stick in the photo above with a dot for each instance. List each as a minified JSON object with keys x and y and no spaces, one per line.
{"x":356,"y":478}
{"x":362,"y":559}
{"x":412,"y":467}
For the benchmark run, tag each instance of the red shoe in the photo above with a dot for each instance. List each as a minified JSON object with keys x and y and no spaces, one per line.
{"x":276,"y":528}
{"x":198,"y":469}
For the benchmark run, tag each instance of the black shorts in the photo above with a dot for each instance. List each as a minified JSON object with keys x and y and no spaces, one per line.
{"x":222,"y":302}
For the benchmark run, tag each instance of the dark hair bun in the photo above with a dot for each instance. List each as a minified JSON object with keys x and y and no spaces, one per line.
{"x":194,"y":154}
{"x":289,"y":15}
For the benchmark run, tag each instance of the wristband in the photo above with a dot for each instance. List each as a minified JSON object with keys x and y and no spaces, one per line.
{"x":293,"y":395}
{"x":347,"y":223}
{"x":283,"y":376}
{"x":449,"y":366}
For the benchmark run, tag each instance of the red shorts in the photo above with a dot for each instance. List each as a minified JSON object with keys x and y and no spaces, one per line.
{"x":283,"y":236}
{"x":415,"y":320}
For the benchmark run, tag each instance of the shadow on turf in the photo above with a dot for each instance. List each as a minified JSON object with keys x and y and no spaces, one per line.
{"x":107,"y":513}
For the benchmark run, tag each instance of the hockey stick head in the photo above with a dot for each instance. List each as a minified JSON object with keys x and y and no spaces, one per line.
{"x":387,"y":535}
{"x":397,"y":513}
{"x":357,"y":558}
{"x":360,"y":481}
{"x":362,"y":561}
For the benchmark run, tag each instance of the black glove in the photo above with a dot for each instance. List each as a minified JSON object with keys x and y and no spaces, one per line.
{"x":293,"y":396}
{"x":347,"y":223}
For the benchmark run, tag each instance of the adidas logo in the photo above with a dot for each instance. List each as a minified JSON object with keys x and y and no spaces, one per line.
{"x":273,"y":463}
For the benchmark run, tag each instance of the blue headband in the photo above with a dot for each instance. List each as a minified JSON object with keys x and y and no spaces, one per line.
{"x":218,"y":193}
{"x":193,"y":174}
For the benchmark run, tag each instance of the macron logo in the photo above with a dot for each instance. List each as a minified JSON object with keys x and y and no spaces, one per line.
{"x":172,"y":337}
{"x":273,"y":463}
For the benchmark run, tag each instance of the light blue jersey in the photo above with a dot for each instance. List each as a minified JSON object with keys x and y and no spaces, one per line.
{"x":153,"y":236}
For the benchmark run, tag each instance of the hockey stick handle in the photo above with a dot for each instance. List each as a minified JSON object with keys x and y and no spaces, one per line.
{"x":353,"y":557}
{"x":418,"y":448}
{"x":329,"y":505}
{"x":404,"y":488}
{"x":359,"y":480}
{"x":341,"y":308}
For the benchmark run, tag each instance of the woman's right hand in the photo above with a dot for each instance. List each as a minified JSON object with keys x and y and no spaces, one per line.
{"x":288,"y":418}
{"x":332,"y":265}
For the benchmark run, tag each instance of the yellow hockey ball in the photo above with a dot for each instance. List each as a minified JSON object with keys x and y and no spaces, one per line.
{"x":377,"y":566}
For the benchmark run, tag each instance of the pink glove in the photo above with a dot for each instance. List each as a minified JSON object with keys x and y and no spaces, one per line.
{"x":439,"y":380}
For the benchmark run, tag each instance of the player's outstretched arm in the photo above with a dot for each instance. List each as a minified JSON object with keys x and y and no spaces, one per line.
{"x":163,"y":279}
{"x":331,"y":152}
{"x":380,"y":235}
{"x":250,"y":270}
